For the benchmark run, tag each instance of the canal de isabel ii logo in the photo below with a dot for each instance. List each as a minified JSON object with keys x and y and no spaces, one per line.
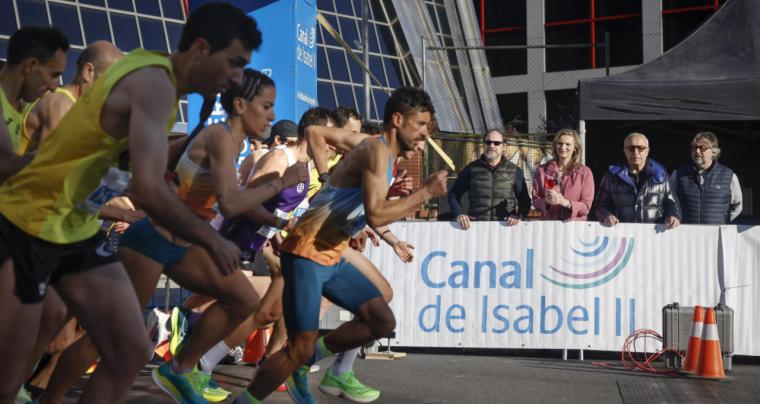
{"x":594,"y":263}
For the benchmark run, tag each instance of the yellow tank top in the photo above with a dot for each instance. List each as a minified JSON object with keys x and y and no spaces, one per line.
{"x":45,"y":199}
{"x":26,"y":143}
{"x":13,"y":120}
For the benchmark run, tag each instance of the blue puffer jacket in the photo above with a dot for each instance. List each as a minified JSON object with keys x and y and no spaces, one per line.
{"x":653,"y":203}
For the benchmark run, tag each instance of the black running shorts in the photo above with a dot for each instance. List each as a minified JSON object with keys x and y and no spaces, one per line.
{"x":37,"y":262}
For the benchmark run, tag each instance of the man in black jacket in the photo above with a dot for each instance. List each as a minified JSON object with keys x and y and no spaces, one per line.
{"x":709,"y":192}
{"x":637,"y":190}
{"x":496,"y":187}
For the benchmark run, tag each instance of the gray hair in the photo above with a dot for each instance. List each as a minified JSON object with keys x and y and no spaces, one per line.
{"x":633,"y":135}
{"x":710,"y":138}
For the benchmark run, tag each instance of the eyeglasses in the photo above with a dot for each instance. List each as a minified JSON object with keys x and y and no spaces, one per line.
{"x":700,"y":147}
{"x":639,"y":148}
{"x":493,"y":142}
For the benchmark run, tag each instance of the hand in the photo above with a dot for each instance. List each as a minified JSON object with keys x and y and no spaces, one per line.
{"x":404,"y":251}
{"x":372,"y":236}
{"x":226,"y":255}
{"x":276,"y":242}
{"x":120,"y":227}
{"x":359,"y":242}
{"x":610,"y":221}
{"x":672,"y":222}
{"x":464,"y":221}
{"x":551,"y":197}
{"x":295,"y":174}
{"x":512,"y":220}
{"x":436,"y":184}
{"x":402,"y":184}
{"x":290,"y":224}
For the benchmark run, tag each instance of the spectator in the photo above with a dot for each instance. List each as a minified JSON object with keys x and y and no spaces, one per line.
{"x":637,"y":190}
{"x":563,"y":188}
{"x":709,"y":192}
{"x":496,"y":188}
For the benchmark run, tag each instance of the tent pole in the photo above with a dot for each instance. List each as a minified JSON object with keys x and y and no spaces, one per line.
{"x":582,"y":133}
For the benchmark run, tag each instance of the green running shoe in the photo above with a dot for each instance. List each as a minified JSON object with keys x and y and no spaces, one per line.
{"x":298,"y":386}
{"x":184,"y":388}
{"x":213,"y":393}
{"x":180,"y":329}
{"x":348,"y":386}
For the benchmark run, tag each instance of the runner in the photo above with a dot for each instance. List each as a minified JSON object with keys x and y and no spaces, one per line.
{"x":48,"y":224}
{"x":311,"y":255}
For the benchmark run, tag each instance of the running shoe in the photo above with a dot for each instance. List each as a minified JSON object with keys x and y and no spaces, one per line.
{"x":185,"y":387}
{"x":213,"y":393}
{"x":298,"y":386}
{"x":348,"y":386}
{"x":180,"y":329}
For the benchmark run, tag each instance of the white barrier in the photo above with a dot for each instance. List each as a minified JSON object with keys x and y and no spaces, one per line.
{"x":564,"y":285}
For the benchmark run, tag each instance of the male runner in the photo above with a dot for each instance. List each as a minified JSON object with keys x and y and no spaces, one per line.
{"x":311,"y":254}
{"x":48,"y":211}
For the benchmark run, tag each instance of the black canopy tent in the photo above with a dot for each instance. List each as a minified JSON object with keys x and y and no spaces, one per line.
{"x":710,"y":81}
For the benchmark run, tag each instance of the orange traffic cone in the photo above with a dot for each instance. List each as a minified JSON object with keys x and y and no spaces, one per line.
{"x":256,"y":346}
{"x":695,"y":340}
{"x":710,"y":360}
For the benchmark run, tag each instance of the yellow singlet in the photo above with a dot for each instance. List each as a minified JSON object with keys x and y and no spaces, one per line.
{"x":12,"y":118}
{"x":45,"y":199}
{"x":26,"y":143}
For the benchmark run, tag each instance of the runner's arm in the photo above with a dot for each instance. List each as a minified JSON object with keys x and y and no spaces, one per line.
{"x":319,"y":137}
{"x":269,"y":167}
{"x":51,"y":113}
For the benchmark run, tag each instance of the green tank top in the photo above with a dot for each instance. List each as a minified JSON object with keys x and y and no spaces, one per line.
{"x":56,"y":197}
{"x":13,"y":119}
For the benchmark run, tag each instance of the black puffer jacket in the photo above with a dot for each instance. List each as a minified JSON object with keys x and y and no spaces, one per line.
{"x":653,"y":203}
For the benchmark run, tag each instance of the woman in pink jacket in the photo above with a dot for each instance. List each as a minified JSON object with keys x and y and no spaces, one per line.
{"x":563,"y":189}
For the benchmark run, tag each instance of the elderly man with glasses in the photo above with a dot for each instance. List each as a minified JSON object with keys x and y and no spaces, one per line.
{"x":637,"y":190}
{"x":708,"y":192}
{"x":496,"y":188}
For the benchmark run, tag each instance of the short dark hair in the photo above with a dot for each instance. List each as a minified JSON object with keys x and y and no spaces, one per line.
{"x":371,"y":128}
{"x":253,"y":82}
{"x":344,"y":114}
{"x":406,"y":100}
{"x":314,"y":116}
{"x":220,"y":24}
{"x":40,"y":43}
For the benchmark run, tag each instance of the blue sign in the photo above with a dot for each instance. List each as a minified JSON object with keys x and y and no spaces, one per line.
{"x":288,"y":55}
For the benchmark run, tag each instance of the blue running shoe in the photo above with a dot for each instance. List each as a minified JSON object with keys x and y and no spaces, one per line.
{"x":298,"y":386}
{"x":184,"y":388}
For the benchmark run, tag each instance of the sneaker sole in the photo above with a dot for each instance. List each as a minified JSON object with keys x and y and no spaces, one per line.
{"x":167,"y":388}
{"x":337,"y":392}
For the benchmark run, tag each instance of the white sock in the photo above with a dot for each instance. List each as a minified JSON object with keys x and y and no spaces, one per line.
{"x":344,"y":362}
{"x":210,"y":359}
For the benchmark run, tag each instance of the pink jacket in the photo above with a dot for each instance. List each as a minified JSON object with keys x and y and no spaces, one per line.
{"x":576,"y":185}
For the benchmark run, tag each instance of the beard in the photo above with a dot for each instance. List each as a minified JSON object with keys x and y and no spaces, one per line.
{"x":491,"y":156}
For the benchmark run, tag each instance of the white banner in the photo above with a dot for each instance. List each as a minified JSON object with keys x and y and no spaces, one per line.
{"x":561,"y":285}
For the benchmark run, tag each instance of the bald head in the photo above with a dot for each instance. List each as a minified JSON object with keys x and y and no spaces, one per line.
{"x":95,"y":59}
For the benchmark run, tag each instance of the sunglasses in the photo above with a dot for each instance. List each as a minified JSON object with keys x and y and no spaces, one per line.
{"x":493,"y":143}
{"x":701,"y":147}
{"x":633,"y":148}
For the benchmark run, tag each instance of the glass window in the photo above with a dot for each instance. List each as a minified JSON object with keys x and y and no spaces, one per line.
{"x":65,"y":17}
{"x":561,"y":110}
{"x":433,"y":17}
{"x":337,"y":60}
{"x":359,"y":94}
{"x":625,"y":42}
{"x":376,"y":67}
{"x":393,"y":69}
{"x":125,"y":31}
{"x":174,"y":31}
{"x":325,"y":95}
{"x":616,"y":7}
{"x":152,"y":33}
{"x":562,"y":59}
{"x":357,"y":73}
{"x":349,"y":32}
{"x":386,"y":39}
{"x":7,"y":18}
{"x":507,"y":62}
{"x":563,"y":10}
{"x":32,"y":12}
{"x":71,"y":64}
{"x":671,"y":4}
{"x":497,"y":15}
{"x":345,"y":95}
{"x":325,"y":5}
{"x":148,"y":7}
{"x":322,"y":70}
{"x":173,"y":9}
{"x":125,"y":5}
{"x":95,"y":24}
{"x":94,"y":2}
{"x":344,"y":7}
{"x":373,"y":46}
{"x":328,"y":39}
{"x":514,"y":110}
{"x":380,"y":98}
{"x":676,"y":27}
